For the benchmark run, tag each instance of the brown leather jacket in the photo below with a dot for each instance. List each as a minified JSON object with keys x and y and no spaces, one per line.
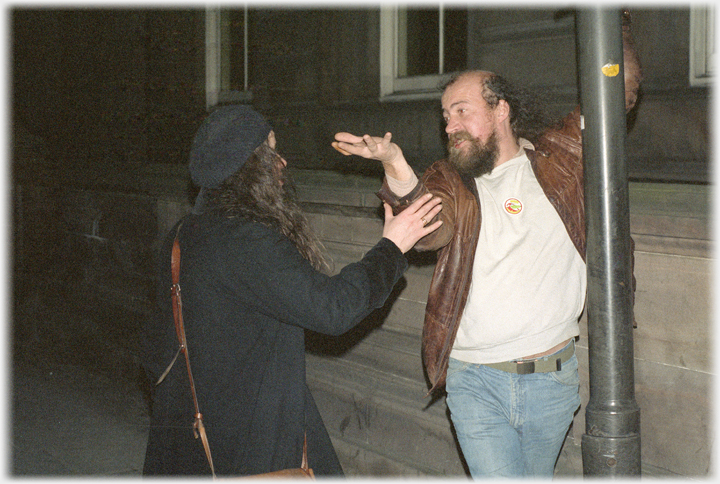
{"x":557,"y":163}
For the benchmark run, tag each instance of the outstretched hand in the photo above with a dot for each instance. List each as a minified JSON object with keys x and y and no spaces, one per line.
{"x":375,"y":148}
{"x":411,"y":225}
{"x":370,"y":147}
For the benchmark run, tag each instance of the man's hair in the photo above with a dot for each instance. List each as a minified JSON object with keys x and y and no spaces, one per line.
{"x":528,"y":117}
{"x":262,"y":191}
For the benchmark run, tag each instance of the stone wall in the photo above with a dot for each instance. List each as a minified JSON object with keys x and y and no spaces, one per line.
{"x":360,"y":388}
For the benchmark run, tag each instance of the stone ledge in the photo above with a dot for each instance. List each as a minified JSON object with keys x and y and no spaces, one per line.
{"x":376,"y":390}
{"x":673,"y":246}
{"x":362,"y":462}
{"x":673,"y":217}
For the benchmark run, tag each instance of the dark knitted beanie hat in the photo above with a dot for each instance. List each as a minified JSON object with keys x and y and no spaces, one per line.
{"x":224,"y":142}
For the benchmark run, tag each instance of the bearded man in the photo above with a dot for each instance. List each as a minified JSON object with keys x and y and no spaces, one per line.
{"x":510,"y":282}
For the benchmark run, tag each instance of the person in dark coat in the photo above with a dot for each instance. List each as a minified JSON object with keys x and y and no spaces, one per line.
{"x":253,"y":279}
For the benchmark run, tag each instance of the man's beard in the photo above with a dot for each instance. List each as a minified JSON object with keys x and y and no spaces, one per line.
{"x":480,"y":157}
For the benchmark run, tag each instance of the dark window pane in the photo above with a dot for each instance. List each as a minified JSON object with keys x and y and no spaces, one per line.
{"x":422,"y":48}
{"x":422,"y":41}
{"x":237,"y":50}
{"x":233,"y":57}
{"x":455,"y":40}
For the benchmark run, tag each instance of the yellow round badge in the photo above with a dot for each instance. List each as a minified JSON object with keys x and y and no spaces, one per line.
{"x":513,"y":206}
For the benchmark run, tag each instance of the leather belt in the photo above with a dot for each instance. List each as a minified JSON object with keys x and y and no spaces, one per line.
{"x":546,"y":364}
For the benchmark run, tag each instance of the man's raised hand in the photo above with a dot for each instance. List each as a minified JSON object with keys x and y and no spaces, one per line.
{"x":375,"y":148}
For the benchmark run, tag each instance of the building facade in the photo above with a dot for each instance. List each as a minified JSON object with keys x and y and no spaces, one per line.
{"x":104,"y":106}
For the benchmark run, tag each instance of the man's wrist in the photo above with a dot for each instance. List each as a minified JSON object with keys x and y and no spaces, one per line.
{"x":401,"y":187}
{"x":399,"y":170}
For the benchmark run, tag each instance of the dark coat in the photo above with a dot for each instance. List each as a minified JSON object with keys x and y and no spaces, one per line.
{"x":248,"y":295}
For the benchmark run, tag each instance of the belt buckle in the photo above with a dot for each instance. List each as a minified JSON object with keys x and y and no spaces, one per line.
{"x":525,"y":367}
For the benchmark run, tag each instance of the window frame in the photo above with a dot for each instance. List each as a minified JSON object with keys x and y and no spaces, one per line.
{"x":214,"y":93}
{"x":393,"y":88}
{"x":702,"y":46}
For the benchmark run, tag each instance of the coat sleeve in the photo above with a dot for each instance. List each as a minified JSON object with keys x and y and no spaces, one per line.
{"x":442,"y":183}
{"x":268,"y":275}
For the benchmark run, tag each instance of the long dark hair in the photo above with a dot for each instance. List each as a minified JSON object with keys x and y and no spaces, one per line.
{"x":263,"y":191}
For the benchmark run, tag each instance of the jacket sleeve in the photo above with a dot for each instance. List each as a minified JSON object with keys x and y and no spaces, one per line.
{"x":271,"y":278}
{"x":437,"y":180}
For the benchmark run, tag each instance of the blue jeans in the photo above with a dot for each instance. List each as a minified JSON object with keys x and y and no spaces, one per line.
{"x":511,"y":425}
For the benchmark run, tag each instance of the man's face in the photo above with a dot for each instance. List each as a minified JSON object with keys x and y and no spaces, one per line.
{"x":471,"y":129}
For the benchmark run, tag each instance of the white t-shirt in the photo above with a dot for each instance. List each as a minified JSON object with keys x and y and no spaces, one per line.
{"x":528,"y":280}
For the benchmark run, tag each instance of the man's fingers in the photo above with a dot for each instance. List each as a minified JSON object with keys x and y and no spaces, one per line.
{"x":370,"y":142}
{"x":335,"y":145}
{"x":347,"y":137}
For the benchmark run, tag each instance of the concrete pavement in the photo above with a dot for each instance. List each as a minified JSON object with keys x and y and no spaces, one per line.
{"x":68,"y":420}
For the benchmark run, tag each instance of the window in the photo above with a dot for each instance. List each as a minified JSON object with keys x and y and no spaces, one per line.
{"x":418,"y":46}
{"x":228,"y":75}
{"x":702,"y":45}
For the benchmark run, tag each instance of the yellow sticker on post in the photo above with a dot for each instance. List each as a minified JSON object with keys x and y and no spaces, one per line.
{"x":611,"y":70}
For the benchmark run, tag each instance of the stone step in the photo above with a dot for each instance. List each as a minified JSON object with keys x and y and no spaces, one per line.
{"x":373,"y":402}
{"x":404,"y":310}
{"x":369,"y":385}
{"x":333,"y":188}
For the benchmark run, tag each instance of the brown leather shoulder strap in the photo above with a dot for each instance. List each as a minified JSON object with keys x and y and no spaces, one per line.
{"x":198,"y":426}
